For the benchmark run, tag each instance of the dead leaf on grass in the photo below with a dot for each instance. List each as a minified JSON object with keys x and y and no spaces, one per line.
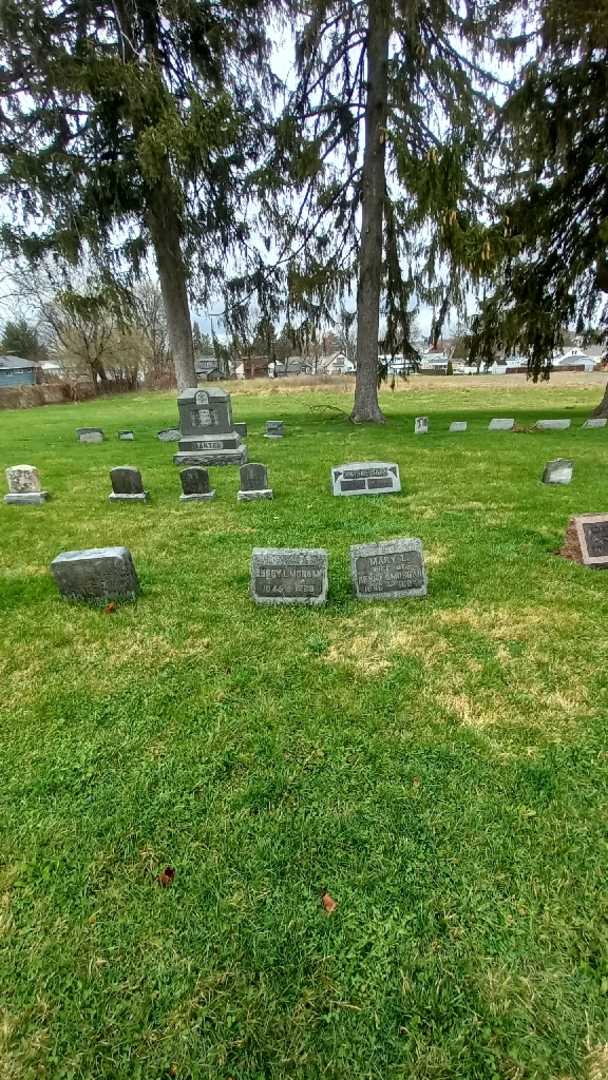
{"x":166,"y":878}
{"x":109,"y":608}
{"x":328,"y":902}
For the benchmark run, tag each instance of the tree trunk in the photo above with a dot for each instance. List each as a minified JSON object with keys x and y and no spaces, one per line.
{"x":602,"y":408}
{"x":162,"y":221}
{"x":366,"y":408}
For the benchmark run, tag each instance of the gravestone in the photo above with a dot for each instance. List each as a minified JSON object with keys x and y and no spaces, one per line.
{"x":96,"y":574}
{"x":127,"y":485}
{"x":458,"y":425}
{"x":126,"y":436}
{"x":241,"y":429}
{"x":595,"y":422}
{"x":390,"y":570}
{"x":586,"y":540}
{"x":169,"y":435}
{"x":500,"y":424}
{"x":274,"y":429}
{"x":552,"y":425}
{"x":289,"y":576}
{"x":208,"y":435}
{"x":89,"y":435}
{"x":558,"y":471}
{"x":421,"y":425}
{"x":195,"y":485}
{"x":366,"y":478}
{"x":24,"y":486}
{"x":254,"y":483}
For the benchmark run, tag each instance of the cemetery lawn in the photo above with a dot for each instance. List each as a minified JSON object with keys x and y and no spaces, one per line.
{"x":439,"y":766}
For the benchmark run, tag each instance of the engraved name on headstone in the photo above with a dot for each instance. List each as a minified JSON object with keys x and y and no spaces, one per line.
{"x":96,"y":574}
{"x":586,"y":540}
{"x":501,"y":424}
{"x":254,"y":483}
{"x":421,"y":425}
{"x":366,"y":478}
{"x":24,"y":486}
{"x":127,"y":485}
{"x":389,"y":570}
{"x":289,"y":576}
{"x":195,"y":485}
{"x":558,"y":471}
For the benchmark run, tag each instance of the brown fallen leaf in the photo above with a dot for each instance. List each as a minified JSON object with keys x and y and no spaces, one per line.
{"x":166,"y":878}
{"x":109,"y":608}
{"x":328,"y":902}
{"x":416,"y":782}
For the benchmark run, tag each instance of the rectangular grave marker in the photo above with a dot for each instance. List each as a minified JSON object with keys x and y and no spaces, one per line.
{"x":389,"y":570}
{"x":421,"y":425}
{"x":127,"y":485}
{"x":458,"y":425}
{"x":586,"y":540}
{"x":254,"y":483}
{"x":596,"y":422}
{"x":195,"y":485}
{"x":97,"y":574}
{"x":366,"y":478}
{"x":558,"y":471}
{"x":24,"y":486}
{"x":274,"y":429}
{"x":289,"y":576}
{"x":552,"y":425}
{"x":90,"y":435}
{"x":501,"y":424}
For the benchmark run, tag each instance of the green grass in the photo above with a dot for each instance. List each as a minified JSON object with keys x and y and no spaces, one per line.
{"x":440,"y":766}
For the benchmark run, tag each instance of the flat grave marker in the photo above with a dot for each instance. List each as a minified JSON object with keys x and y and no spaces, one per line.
{"x":274,"y":429}
{"x":421,"y":425}
{"x":289,"y":576}
{"x":596,"y":422}
{"x":499,"y":423}
{"x":458,"y":425}
{"x":24,"y":487}
{"x":559,"y":471}
{"x":126,"y":436}
{"x":389,"y":570}
{"x":169,"y":435}
{"x":366,"y":478}
{"x":552,"y":425}
{"x":98,"y":574}
{"x":586,"y":540}
{"x":90,"y":435}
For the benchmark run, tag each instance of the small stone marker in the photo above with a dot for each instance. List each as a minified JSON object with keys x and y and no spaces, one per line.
{"x":558,"y":471}
{"x":499,"y":424}
{"x":169,"y":435}
{"x":586,"y":540}
{"x":274,"y":429}
{"x":24,"y":486}
{"x":595,"y":422}
{"x":254,"y":483}
{"x":126,"y":436}
{"x":458,"y":425}
{"x":127,"y":485}
{"x":195,"y":485}
{"x":421,"y":425}
{"x":366,"y":478}
{"x":90,"y":434}
{"x":289,"y":576}
{"x":96,"y":574}
{"x":389,"y":570}
{"x":552,"y":425}
{"x":241,"y":429}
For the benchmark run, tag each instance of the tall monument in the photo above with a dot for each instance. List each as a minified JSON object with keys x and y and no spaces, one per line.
{"x":208,"y":433}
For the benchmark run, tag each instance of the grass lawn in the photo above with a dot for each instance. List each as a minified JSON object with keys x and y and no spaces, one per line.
{"x":440,"y":766}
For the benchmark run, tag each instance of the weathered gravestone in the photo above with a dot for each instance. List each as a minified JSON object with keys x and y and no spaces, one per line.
{"x":558,"y":471}
{"x":96,"y":574}
{"x":501,"y":424}
{"x":254,"y":483}
{"x":169,"y":435}
{"x":127,"y":485}
{"x":390,"y":570}
{"x":421,"y":425}
{"x":24,"y":486}
{"x":274,"y":429}
{"x":595,"y":422}
{"x":552,"y":425}
{"x":289,"y":576}
{"x":126,"y":436}
{"x":241,"y":429}
{"x":586,"y":540}
{"x":458,"y":425}
{"x":366,"y":478}
{"x":208,"y":433}
{"x":89,"y":435}
{"x":195,"y":485}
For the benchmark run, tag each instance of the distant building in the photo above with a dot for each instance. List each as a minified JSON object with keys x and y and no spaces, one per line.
{"x":15,"y":371}
{"x":252,"y":367}
{"x":207,"y":369}
{"x":336,"y":364}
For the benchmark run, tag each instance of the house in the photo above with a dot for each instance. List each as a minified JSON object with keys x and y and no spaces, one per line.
{"x":15,"y":371}
{"x":336,"y":364}
{"x":577,"y":360}
{"x":252,"y":367}
{"x":207,"y":369}
{"x":293,"y":365}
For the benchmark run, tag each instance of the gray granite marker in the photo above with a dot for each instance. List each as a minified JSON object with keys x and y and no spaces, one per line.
{"x":24,"y":486}
{"x":274,"y":429}
{"x":421,"y":425}
{"x":390,"y":570}
{"x":208,"y":433}
{"x":254,"y":483}
{"x":96,"y":574}
{"x":595,"y":422}
{"x":126,"y":436}
{"x":241,"y":429}
{"x":195,"y":485}
{"x":127,"y":485}
{"x":500,"y":424}
{"x":458,"y":425}
{"x":587,"y":540}
{"x":89,"y":435}
{"x":366,"y":478}
{"x":289,"y":576}
{"x":558,"y":471}
{"x":169,"y":435}
{"x":552,"y":425}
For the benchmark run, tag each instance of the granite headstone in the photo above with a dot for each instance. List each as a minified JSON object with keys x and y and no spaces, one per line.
{"x":596,"y":422}
{"x":274,"y":429}
{"x":99,"y":574}
{"x":421,"y":425}
{"x":366,"y":478}
{"x":254,"y":483}
{"x":586,"y":540}
{"x":24,"y":486}
{"x":389,"y":570}
{"x":127,"y":485}
{"x":126,"y":436}
{"x":289,"y":576}
{"x":558,"y":471}
{"x":552,"y":425}
{"x":169,"y":435}
{"x":458,"y":425}
{"x":241,"y":429}
{"x":208,"y":434}
{"x":195,"y":485}
{"x":89,"y":435}
{"x":501,"y":424}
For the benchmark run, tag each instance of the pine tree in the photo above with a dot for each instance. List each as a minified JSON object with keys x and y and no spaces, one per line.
{"x":126,"y":123}
{"x":20,"y":338}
